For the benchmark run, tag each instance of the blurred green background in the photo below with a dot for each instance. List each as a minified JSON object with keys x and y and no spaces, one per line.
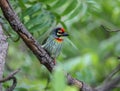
{"x":89,"y":53}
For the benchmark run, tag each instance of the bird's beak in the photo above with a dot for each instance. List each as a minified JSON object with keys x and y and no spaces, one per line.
{"x":65,"y":34}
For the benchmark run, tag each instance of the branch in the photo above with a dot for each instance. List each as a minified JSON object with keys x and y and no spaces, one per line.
{"x":108,"y":29}
{"x":28,"y":39}
{"x":109,"y":77}
{"x":109,"y":83}
{"x":81,"y":85}
{"x":11,"y":77}
{"x":3,"y":52}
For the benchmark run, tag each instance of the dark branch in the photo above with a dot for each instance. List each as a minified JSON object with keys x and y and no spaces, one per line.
{"x":13,"y":85}
{"x":11,"y":77}
{"x":79,"y":84}
{"x":18,"y":27}
{"x":110,"y":85}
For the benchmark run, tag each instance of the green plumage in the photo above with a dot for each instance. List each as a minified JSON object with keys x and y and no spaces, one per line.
{"x":52,"y":46}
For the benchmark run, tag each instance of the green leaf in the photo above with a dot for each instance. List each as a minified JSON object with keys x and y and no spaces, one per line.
{"x":75,"y":12}
{"x":58,"y":4}
{"x":32,"y":9}
{"x":71,"y":7}
{"x":59,"y":81}
{"x":35,"y":20}
{"x":47,"y":1}
{"x":22,"y":5}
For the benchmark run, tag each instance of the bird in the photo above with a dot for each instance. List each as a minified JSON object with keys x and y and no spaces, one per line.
{"x":54,"y":42}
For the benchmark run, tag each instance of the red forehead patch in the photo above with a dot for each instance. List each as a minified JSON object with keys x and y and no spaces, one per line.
{"x":62,"y":29}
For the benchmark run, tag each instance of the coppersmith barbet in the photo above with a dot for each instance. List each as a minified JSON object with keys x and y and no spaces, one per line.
{"x":54,"y":42}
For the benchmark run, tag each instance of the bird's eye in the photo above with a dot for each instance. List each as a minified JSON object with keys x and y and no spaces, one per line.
{"x":59,"y":33}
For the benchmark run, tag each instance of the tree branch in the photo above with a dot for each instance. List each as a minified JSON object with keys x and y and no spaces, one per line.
{"x":109,"y":77}
{"x":28,"y":39}
{"x":79,"y":84}
{"x":110,"y":85}
{"x":11,"y":77}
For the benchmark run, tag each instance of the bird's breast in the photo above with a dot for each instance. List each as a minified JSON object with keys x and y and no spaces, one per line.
{"x":59,"y":40}
{"x":53,"y":47}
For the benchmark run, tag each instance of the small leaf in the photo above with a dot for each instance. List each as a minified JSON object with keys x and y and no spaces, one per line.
{"x":75,"y":12}
{"x":22,"y":5}
{"x":32,"y":9}
{"x":58,"y":4}
{"x":71,"y":7}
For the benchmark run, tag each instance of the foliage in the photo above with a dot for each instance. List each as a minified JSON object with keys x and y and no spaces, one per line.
{"x":89,"y":54}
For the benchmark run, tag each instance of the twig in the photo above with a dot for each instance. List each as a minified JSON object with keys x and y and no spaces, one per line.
{"x":11,"y":77}
{"x":108,"y":29}
{"x":13,"y":85}
{"x":109,"y":77}
{"x":110,"y":85}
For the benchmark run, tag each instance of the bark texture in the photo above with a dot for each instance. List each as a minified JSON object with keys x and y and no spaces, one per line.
{"x":3,"y":52}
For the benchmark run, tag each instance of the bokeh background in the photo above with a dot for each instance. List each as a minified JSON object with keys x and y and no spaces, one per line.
{"x":89,"y":54}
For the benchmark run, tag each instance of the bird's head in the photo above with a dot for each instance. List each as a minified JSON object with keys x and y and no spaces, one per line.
{"x":59,"y":33}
